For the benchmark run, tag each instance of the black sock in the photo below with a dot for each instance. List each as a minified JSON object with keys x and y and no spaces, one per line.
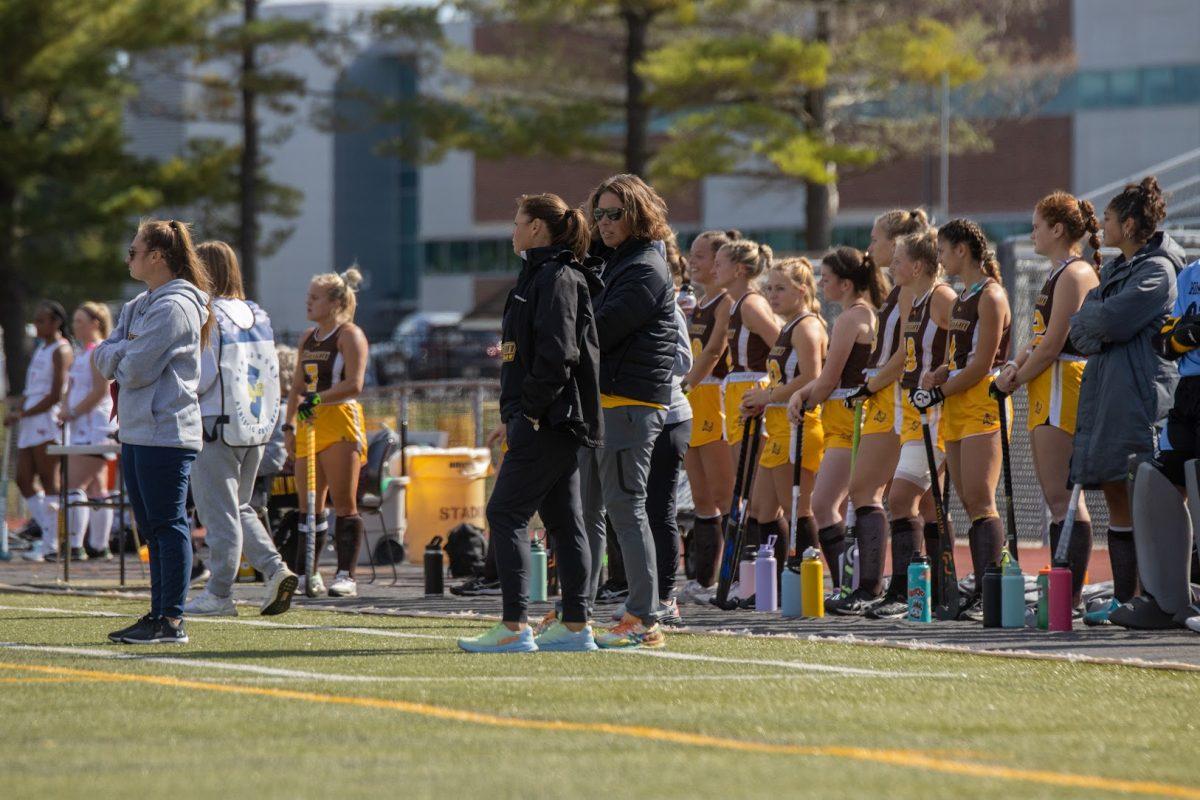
{"x":775,"y":528}
{"x":1055,"y":533}
{"x":990,"y":537}
{"x":871,"y":529}
{"x":806,"y":535}
{"x":833,"y":542}
{"x":1079,"y":553}
{"x":347,"y":541}
{"x":1122,"y":554}
{"x":707,"y":541}
{"x":906,"y":540}
{"x":933,"y":543}
{"x":296,"y":549}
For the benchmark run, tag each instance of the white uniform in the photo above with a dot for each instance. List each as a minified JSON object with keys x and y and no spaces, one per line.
{"x":94,"y":426}
{"x":39,"y":380}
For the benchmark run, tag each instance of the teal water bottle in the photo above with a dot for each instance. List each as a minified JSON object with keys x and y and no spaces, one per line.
{"x":919,"y":578}
{"x":1012,"y":594}
{"x":537,"y":570}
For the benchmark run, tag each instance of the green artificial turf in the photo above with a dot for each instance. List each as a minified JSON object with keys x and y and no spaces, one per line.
{"x":68,"y":735}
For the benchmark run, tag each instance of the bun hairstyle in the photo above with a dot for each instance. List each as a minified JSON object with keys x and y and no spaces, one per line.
{"x":1078,"y":218}
{"x":173,"y":240}
{"x":922,"y":248}
{"x":1144,"y":204}
{"x":99,"y":314}
{"x":860,"y":269}
{"x":755,"y":258}
{"x":568,"y":227}
{"x":56,"y":310}
{"x":897,"y":222}
{"x":799,"y":270}
{"x":718,"y":239}
{"x":968,"y":232}
{"x":341,"y":288}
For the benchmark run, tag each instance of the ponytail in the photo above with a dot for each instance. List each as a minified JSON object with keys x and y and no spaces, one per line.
{"x":59,"y":313}
{"x":968,"y":232}
{"x":568,"y":226}
{"x":173,"y":239}
{"x":754,"y":258}
{"x":861,"y":270}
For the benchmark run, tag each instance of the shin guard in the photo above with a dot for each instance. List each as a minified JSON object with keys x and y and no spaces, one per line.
{"x":833,"y":542}
{"x":871,"y":530}
{"x":347,"y":542}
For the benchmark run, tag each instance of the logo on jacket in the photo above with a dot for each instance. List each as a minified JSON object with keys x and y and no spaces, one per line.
{"x":508,"y":351}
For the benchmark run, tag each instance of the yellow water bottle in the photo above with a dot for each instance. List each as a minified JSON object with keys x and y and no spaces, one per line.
{"x":812,"y":584}
{"x":245,"y":573}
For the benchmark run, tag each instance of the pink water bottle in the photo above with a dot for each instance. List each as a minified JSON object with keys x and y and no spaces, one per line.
{"x":1060,"y":598}
{"x":766,"y":586}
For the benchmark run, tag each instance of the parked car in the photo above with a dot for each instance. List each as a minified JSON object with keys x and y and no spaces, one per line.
{"x":438,"y":345}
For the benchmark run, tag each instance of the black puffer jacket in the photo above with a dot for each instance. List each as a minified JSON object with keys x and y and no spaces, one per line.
{"x":551,"y":355}
{"x":636,"y":318}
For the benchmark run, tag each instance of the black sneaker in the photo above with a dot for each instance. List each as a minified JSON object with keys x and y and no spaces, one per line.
{"x":858,"y":603}
{"x":612,"y":594}
{"x":478,"y":586}
{"x":163,"y":631}
{"x":103,"y":554}
{"x":893,"y":606}
{"x":972,"y":608}
{"x":145,"y":622}
{"x":77,"y":554}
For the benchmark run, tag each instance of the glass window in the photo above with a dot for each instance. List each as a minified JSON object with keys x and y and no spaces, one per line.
{"x":1159,"y":86}
{"x":1093,"y":89}
{"x":1124,"y":87}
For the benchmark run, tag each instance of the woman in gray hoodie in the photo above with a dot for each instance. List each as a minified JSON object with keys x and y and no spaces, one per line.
{"x":153,"y":355}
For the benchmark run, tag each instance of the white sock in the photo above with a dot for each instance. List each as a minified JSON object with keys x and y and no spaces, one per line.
{"x":36,"y":503}
{"x":77,"y":516}
{"x":100,"y":526}
{"x":49,"y":524}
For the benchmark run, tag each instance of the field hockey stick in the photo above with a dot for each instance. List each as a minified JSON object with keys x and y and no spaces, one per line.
{"x":850,"y":552}
{"x":728,"y":561}
{"x":5,"y":469}
{"x":1006,"y":456}
{"x":947,"y":601}
{"x":797,"y":456}
{"x":310,"y":536}
{"x":739,"y":531}
{"x":1064,"y":538}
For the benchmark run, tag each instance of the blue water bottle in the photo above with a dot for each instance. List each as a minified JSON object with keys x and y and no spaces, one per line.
{"x":919,"y":592}
{"x":1012,"y":593}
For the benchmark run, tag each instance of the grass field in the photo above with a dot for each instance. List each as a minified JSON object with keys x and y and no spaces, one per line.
{"x":325,"y":704}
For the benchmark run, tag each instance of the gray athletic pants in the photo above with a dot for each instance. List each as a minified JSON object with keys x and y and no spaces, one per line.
{"x":222,"y":483}
{"x":613,"y":478}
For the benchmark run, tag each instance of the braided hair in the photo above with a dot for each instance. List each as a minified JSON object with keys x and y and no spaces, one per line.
{"x":968,"y":232}
{"x":1078,"y":217}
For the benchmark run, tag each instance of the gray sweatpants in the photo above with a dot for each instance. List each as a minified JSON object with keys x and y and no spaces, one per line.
{"x":613,"y":478}
{"x":222,"y":483}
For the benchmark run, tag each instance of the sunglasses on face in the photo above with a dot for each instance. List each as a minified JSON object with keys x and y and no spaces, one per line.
{"x":612,"y":213}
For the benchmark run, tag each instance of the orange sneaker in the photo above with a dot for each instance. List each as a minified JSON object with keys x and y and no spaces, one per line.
{"x":630,"y":632}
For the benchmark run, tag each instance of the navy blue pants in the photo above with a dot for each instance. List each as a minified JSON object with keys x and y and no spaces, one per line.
{"x":156,"y":480}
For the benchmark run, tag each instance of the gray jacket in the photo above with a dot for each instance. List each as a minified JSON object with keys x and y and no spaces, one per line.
{"x":680,"y":409}
{"x":154,"y":356}
{"x":1127,"y":388}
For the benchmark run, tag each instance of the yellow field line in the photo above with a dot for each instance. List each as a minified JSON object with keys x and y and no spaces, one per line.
{"x":49,"y":680}
{"x":896,"y":758}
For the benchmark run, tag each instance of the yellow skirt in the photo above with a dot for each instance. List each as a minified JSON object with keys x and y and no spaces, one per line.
{"x":881,"y":412}
{"x":1054,"y":395}
{"x":333,"y":423}
{"x":777,"y":450}
{"x":973,"y":412}
{"x":736,"y":386}
{"x":708,"y":416}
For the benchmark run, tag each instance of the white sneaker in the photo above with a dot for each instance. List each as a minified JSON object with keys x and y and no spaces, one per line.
{"x":35,"y":552}
{"x":693,"y":592}
{"x":318,"y":585}
{"x":206,"y":604}
{"x":343,"y":586}
{"x":280,"y":588}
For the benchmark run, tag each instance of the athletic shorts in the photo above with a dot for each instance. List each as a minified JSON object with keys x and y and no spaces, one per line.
{"x":777,"y":450}
{"x":335,"y":422}
{"x":708,"y":415}
{"x":1054,"y":395}
{"x":736,"y":386}
{"x":973,"y":412}
{"x":39,"y":429}
{"x":910,"y":426}
{"x":882,"y":411}
{"x":838,"y":424}
{"x":1180,"y":439}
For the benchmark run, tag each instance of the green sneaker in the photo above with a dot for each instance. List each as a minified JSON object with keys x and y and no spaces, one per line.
{"x":558,"y":638}
{"x":499,"y":639}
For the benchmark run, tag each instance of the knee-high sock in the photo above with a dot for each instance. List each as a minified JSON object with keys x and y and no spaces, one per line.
{"x":1079,"y":553}
{"x":986,"y":536}
{"x":871,"y":528}
{"x":906,"y":540}
{"x":1122,"y":554}
{"x":932,"y":538}
{"x":707,"y":544}
{"x":49,"y":523}
{"x":297,"y":544}
{"x":100,"y":525}
{"x":833,"y":542}
{"x":77,"y":516}
{"x":751,"y":534}
{"x":775,"y":528}
{"x":806,"y":535}
{"x":36,"y":503}
{"x":347,"y":541}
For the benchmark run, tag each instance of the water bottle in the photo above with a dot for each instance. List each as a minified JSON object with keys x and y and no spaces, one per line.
{"x":1043,"y":595}
{"x":1059,"y":593}
{"x":766,"y":598}
{"x":812,"y":584}
{"x":919,"y":590}
{"x":434,"y":567}
{"x":746,"y":570}
{"x":993,"y":577}
{"x":790,"y":582}
{"x":245,"y":572}
{"x":537,"y":570}
{"x":1012,"y":594}
{"x":686,"y":298}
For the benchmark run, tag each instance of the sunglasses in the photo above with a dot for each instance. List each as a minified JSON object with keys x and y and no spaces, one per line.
{"x":133,"y":251}
{"x":612,"y":213}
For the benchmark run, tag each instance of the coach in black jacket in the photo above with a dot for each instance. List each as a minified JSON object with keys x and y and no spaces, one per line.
{"x":635,"y":316}
{"x":549,"y":412}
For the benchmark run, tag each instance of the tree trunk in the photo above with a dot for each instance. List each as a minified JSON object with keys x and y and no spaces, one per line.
{"x":248,"y":179}
{"x":819,"y":198}
{"x":12,"y":297}
{"x":637,"y":115}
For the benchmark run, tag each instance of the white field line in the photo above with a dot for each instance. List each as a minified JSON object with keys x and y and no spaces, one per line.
{"x":797,"y":665}
{"x":831,"y":669}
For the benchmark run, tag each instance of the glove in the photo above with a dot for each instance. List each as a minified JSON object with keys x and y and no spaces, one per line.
{"x":1178,"y":336}
{"x":861,"y":394}
{"x":926,"y":398}
{"x":308,"y":406}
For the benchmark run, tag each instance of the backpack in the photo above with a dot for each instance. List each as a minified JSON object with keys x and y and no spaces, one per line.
{"x":248,"y":371}
{"x":467,"y":549}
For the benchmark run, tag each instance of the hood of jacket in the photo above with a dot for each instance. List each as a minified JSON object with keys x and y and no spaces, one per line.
{"x":180,"y":290}
{"x":1160,"y":245}
{"x":590,"y":268}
